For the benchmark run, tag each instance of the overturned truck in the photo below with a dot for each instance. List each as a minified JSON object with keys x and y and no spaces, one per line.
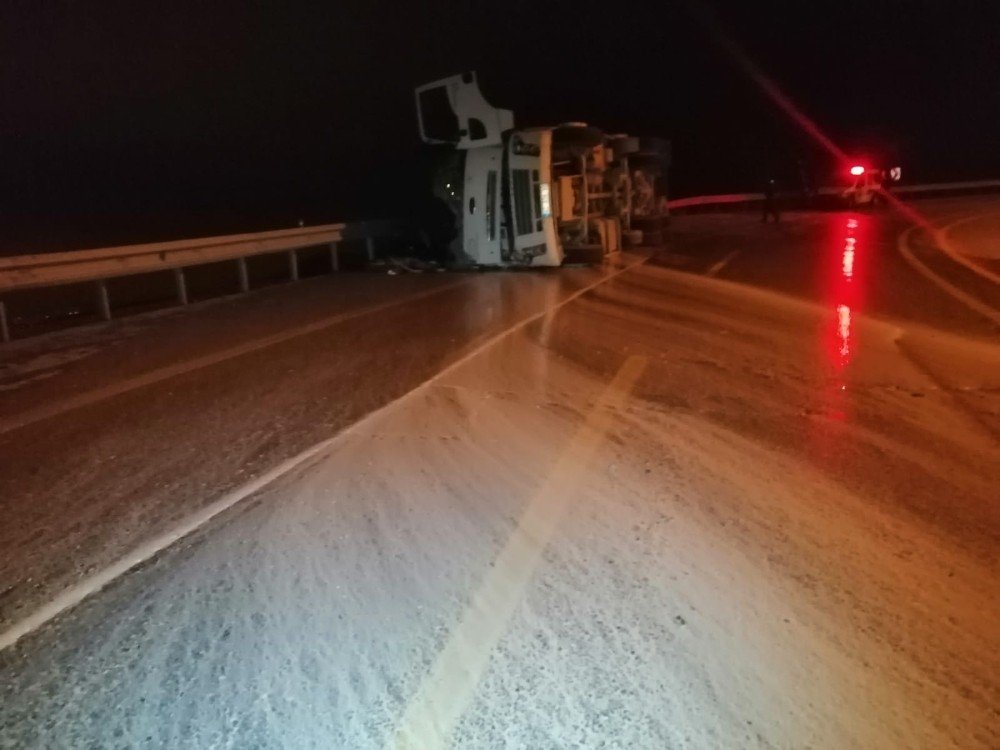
{"x":535,"y":196}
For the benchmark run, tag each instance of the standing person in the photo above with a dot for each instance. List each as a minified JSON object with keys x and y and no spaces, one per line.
{"x":770,"y":203}
{"x":806,"y":180}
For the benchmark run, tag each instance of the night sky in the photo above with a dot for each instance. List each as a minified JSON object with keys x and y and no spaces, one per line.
{"x":129,"y":120}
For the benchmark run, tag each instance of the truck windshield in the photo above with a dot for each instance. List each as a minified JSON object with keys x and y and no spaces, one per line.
{"x":437,"y":116}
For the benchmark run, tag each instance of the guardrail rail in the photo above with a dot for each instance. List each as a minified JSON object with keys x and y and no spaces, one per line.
{"x":737,"y":198}
{"x":99,"y":265}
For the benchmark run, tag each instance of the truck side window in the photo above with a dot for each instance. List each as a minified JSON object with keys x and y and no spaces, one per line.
{"x":436,"y":115}
{"x":477,"y":130}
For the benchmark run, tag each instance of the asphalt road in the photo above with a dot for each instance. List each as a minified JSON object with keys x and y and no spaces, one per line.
{"x":738,"y":493}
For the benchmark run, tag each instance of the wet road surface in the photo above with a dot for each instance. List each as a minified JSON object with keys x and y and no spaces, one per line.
{"x":739,"y":495}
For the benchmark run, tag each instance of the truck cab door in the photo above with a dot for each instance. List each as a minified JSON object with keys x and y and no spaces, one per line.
{"x":453,"y":111}
{"x":531,"y":236}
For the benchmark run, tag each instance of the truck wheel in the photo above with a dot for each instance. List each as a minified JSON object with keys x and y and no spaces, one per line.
{"x":625,"y":146}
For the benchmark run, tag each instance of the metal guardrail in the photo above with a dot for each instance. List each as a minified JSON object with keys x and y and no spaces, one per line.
{"x":55,"y":269}
{"x":714,"y":200}
{"x":933,"y":187}
{"x":732,"y":198}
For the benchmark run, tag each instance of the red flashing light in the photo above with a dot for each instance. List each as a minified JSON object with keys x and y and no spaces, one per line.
{"x":857,"y":170}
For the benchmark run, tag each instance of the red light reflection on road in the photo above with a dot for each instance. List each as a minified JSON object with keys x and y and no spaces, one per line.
{"x":844,"y":332}
{"x":847,"y":262}
{"x":843,"y":287}
{"x":850,"y":242}
{"x":844,"y":296}
{"x":844,"y":309}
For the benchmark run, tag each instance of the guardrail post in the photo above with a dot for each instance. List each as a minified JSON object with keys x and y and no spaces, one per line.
{"x":293,"y":265}
{"x":4,"y":328}
{"x":370,"y":247}
{"x":103,"y":300}
{"x":182,"y":292}
{"x":334,"y":257}
{"x":241,"y":266}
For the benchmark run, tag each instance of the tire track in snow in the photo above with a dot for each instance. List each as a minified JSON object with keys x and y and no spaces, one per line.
{"x":97,"y":395}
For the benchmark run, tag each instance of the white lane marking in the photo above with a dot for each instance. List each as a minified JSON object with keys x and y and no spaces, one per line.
{"x":448,"y":689}
{"x":944,"y":241}
{"x":94,"y":583}
{"x":721,"y":264}
{"x":97,"y":395}
{"x":902,"y":244}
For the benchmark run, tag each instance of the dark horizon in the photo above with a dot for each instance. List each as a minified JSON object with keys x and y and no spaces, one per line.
{"x":123,"y":123}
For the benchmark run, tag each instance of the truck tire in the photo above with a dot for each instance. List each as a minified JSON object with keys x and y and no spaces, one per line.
{"x":625,"y":146}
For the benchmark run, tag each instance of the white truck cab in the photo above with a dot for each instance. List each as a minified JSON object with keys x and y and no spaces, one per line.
{"x":495,"y":179}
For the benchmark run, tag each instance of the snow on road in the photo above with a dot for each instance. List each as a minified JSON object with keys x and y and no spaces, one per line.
{"x":81,"y":490}
{"x":767,"y":546}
